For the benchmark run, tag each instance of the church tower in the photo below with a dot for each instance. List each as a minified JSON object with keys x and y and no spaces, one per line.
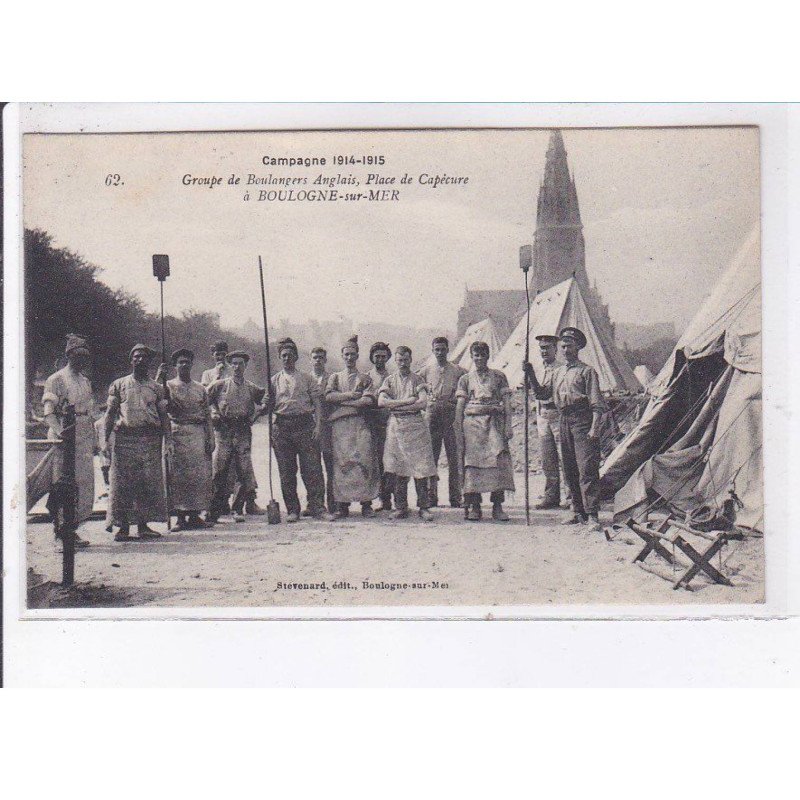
{"x":559,"y":250}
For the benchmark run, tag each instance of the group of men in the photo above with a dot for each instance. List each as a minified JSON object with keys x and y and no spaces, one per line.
{"x":355,"y":436}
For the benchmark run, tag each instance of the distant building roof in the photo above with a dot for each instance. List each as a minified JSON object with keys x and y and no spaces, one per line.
{"x":502,"y":306}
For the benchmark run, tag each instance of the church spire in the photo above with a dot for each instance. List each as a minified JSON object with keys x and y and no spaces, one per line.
{"x":559,"y":249}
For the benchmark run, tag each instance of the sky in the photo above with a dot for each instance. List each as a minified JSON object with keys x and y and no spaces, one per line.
{"x":664,"y":211}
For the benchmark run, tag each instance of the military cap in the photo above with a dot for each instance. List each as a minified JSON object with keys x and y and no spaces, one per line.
{"x":149,"y":352}
{"x":237,"y":354}
{"x":183,"y":351}
{"x":546,"y":337}
{"x":575,"y":334}
{"x":220,"y":345}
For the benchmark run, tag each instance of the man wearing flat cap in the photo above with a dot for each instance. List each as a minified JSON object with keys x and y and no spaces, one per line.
{"x":575,"y":390}
{"x":549,"y":433}
{"x":192,"y":444}
{"x":297,"y":433}
{"x":378,"y":418}
{"x":235,"y":405}
{"x":137,"y":418}
{"x":69,"y":386}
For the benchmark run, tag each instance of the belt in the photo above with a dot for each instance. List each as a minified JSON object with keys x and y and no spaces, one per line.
{"x":547,"y":406}
{"x":579,"y":405}
{"x":305,"y":416}
{"x":406,"y":413}
{"x":142,"y":431}
{"x":236,"y":422}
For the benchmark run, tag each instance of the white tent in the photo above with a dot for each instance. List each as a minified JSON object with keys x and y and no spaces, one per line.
{"x":699,"y":440}
{"x":643,"y":375}
{"x":483,"y":331}
{"x":560,"y":307}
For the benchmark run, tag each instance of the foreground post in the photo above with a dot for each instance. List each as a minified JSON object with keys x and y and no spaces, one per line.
{"x":161,"y":271}
{"x":525,"y":260}
{"x":273,"y":509}
{"x":69,"y":509}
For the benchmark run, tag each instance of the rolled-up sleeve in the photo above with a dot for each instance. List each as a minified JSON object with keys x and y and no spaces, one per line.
{"x":596,"y":399}
{"x":51,"y":388}
{"x":114,"y":398}
{"x":332,"y":385}
{"x":503,"y":388}
{"x":257,"y":393}
{"x":387,"y":388}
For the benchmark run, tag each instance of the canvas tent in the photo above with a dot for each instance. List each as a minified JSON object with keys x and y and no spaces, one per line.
{"x":559,"y":307}
{"x":483,"y":331}
{"x":698,"y":443}
{"x":643,"y":375}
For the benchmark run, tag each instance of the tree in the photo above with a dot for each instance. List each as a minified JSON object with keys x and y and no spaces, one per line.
{"x":63,"y":294}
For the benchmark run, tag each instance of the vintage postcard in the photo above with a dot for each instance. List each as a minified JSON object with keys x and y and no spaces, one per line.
{"x":295,"y":370}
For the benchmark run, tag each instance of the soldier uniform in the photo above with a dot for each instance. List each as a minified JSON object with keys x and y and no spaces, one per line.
{"x":575,"y":390}
{"x":548,"y":431}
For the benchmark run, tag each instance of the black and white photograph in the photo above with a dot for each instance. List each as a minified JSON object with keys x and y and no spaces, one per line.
{"x":402,"y":368}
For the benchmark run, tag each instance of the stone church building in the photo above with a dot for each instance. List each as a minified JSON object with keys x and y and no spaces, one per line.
{"x":559,"y":252}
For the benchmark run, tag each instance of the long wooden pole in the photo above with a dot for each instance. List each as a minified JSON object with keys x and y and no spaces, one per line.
{"x":69,"y":512}
{"x":167,"y":491}
{"x":269,"y":371}
{"x":527,"y":403}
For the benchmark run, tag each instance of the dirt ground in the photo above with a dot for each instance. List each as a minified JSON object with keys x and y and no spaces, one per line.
{"x":360,"y":562}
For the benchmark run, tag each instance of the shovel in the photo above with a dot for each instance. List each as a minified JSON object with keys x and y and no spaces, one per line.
{"x":273,"y":509}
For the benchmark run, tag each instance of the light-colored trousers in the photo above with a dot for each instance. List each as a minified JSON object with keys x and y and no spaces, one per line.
{"x":548,"y":430}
